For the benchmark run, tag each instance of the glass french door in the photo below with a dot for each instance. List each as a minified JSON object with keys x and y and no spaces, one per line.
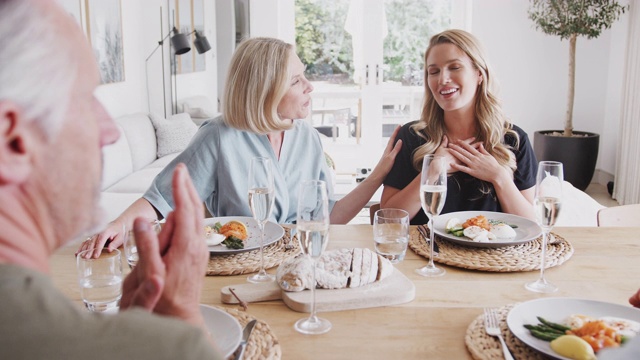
{"x":365,"y":60}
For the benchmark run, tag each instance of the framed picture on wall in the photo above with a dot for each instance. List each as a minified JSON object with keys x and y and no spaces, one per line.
{"x":104,"y":29}
{"x":184,"y":23}
{"x":74,"y":8}
{"x":198,"y":25}
{"x":189,"y":16}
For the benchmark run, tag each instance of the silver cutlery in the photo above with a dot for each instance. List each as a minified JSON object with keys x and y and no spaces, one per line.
{"x":246,"y":333}
{"x":423,"y":233}
{"x":289,"y":243}
{"x":492,"y":328}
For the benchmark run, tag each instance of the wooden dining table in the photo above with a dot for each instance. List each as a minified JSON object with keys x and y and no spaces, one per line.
{"x":605,"y":266}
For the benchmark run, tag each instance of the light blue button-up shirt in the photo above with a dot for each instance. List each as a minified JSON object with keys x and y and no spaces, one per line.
{"x":218,"y":159}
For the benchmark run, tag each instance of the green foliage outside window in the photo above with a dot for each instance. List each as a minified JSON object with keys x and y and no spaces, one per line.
{"x":326,"y":48}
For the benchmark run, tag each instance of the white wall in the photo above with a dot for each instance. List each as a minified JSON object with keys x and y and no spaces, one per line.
{"x":531,"y":66}
{"x":141,"y":33}
{"x":533,"y":69}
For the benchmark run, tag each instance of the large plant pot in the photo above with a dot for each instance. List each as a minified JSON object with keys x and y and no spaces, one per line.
{"x":578,"y":154}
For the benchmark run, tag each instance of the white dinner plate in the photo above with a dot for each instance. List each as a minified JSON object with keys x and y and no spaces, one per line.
{"x":526,"y":229}
{"x":224,"y":329}
{"x":557,"y":310}
{"x":272,"y":233}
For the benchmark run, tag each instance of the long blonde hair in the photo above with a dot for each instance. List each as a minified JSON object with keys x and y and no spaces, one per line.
{"x":257,"y":81}
{"x":492,"y":123}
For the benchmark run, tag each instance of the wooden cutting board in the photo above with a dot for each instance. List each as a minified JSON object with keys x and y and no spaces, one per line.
{"x":395,"y":289}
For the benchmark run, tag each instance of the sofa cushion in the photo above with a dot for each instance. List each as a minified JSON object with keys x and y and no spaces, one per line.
{"x":173,"y":134}
{"x":113,"y":204}
{"x":162,"y":162}
{"x":137,"y":182}
{"x":117,"y":160}
{"x":198,"y":107}
{"x":141,"y":137}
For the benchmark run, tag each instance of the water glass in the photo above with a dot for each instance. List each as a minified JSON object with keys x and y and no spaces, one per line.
{"x":129,"y":244}
{"x":391,"y":233}
{"x":100,"y":280}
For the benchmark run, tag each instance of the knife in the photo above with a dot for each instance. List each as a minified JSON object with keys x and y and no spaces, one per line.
{"x":246,"y":333}
{"x":423,"y":232}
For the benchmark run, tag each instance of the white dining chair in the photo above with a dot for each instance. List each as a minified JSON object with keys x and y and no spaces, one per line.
{"x":624,"y":215}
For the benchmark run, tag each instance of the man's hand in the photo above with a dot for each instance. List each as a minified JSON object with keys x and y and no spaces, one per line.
{"x":168,"y":278}
{"x":635,"y":299}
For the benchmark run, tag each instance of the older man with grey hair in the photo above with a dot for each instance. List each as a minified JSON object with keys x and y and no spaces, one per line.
{"x":52,"y":130}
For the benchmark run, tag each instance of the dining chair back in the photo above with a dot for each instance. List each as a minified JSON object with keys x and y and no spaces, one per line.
{"x":372,"y":211}
{"x":624,"y":215}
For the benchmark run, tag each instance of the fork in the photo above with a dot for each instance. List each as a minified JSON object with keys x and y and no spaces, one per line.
{"x":289,"y":244}
{"x":492,"y":328}
{"x":423,"y":232}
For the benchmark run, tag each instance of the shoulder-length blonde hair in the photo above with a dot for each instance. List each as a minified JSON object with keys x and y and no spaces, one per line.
{"x":257,"y":80}
{"x":492,"y":123}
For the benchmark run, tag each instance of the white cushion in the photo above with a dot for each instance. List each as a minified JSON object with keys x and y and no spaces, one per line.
{"x":198,"y":107}
{"x":173,"y":134}
{"x":578,"y":208}
{"x":113,"y":204}
{"x":137,"y":182}
{"x":162,"y":162}
{"x":140,"y":135}
{"x":116,"y":160}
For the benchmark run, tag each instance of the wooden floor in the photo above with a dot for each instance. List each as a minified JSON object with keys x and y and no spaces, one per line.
{"x":599,"y":193}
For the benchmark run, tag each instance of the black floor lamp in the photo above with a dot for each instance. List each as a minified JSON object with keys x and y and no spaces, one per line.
{"x":180,"y":45}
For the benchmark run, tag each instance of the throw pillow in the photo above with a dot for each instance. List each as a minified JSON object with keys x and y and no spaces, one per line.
{"x":173,"y":134}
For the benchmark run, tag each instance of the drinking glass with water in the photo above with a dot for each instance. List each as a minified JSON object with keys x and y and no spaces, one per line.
{"x":100,"y":280}
{"x":391,"y":233}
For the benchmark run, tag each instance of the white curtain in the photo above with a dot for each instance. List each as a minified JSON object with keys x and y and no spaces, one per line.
{"x":627,"y":178}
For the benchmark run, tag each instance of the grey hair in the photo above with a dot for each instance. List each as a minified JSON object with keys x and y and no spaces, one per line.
{"x":37,"y":69}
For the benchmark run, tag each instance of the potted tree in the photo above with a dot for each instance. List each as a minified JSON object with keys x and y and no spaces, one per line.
{"x":568,"y":19}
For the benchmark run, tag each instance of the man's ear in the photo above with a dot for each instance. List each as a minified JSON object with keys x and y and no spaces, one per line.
{"x":16,"y":140}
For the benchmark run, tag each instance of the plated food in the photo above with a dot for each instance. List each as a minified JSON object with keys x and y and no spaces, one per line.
{"x":236,"y":226}
{"x":485,"y":228}
{"x":481,"y":229}
{"x":566,"y":328}
{"x":582,"y":336}
{"x":232,"y":234}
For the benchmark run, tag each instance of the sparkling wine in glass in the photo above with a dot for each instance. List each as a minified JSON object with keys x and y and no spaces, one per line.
{"x":547,"y":204}
{"x":313,"y":234}
{"x":433,"y":192}
{"x":261,"y":199}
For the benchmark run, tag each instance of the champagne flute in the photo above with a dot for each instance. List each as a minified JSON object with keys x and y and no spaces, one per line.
{"x":261,"y":199}
{"x":313,"y":234}
{"x":433,"y":192}
{"x":547,"y":203}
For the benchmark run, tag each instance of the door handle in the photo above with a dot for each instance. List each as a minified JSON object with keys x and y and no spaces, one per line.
{"x":366,"y":74}
{"x":377,"y":74}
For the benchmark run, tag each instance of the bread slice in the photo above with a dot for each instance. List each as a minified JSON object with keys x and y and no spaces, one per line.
{"x":373,"y":272}
{"x":366,"y":266}
{"x":356,"y":268}
{"x":385,"y":267}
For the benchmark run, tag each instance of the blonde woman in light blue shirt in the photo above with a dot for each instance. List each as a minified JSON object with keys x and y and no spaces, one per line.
{"x":265,"y":92}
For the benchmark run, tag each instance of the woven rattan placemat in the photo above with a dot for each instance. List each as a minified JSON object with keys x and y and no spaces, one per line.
{"x":523,"y":257}
{"x":485,"y":347}
{"x":249,"y":261}
{"x":263,"y":343}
